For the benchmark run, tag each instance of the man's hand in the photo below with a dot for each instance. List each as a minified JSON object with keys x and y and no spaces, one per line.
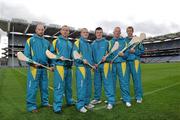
{"x":62,"y":58}
{"x":104,"y":59}
{"x":85,"y":61}
{"x":96,"y":65}
{"x":35,"y":65}
{"x":51,"y":69}
{"x":93,"y":67}
{"x":132,"y":50}
{"x":121,"y":54}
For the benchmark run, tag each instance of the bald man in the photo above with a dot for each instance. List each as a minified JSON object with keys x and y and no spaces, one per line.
{"x":37,"y":76}
{"x":83,"y":72}
{"x":119,"y":66}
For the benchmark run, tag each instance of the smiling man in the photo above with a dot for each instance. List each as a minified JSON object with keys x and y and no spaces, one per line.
{"x":102,"y":74}
{"x":119,"y":66}
{"x":63,"y":70}
{"x":83,"y":72}
{"x":37,"y":76}
{"x":133,"y":65}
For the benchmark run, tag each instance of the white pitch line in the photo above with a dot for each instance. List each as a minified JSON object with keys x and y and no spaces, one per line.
{"x":51,"y":88}
{"x":145,"y":94}
{"x":160,"y":89}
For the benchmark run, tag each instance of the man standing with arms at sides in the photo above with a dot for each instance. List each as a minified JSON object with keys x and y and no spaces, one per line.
{"x":83,"y":72}
{"x":100,"y":48}
{"x":133,"y":62}
{"x":37,"y":75}
{"x":63,"y":70}
{"x":119,"y":67}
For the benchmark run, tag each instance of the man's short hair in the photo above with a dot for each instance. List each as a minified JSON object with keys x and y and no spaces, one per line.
{"x":64,"y":27}
{"x":130,"y":27}
{"x":98,"y":28}
{"x":40,"y":24}
{"x":83,"y":29}
{"x":117,"y":27}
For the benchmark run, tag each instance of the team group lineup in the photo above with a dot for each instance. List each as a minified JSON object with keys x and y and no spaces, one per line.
{"x":109,"y":60}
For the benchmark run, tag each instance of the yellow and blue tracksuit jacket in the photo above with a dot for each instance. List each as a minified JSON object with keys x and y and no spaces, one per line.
{"x":103,"y":73}
{"x":119,"y":68}
{"x":133,"y":63}
{"x":62,"y":73}
{"x":83,"y":72}
{"x":37,"y":77}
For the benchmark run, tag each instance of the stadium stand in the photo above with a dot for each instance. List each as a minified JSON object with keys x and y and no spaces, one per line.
{"x":20,"y":30}
{"x":165,"y":48}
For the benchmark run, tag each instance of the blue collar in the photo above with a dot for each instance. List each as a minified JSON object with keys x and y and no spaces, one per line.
{"x":99,"y":40}
{"x":116,"y":39}
{"x":37,"y":36}
{"x":62,"y":38}
{"x":83,"y":39}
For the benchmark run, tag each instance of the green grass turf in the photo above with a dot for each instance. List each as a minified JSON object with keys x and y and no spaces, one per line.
{"x":161,"y":86}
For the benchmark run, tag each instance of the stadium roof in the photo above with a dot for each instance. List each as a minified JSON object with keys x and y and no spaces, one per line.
{"x":23,"y":27}
{"x":163,"y":38}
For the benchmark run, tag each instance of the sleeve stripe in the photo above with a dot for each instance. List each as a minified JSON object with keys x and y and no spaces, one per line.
{"x":28,"y":41}
{"x":77,"y":43}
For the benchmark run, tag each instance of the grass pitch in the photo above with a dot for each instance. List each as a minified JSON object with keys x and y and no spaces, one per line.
{"x":161,"y":86}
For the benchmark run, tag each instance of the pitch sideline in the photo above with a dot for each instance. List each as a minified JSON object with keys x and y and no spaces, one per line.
{"x":145,"y":94}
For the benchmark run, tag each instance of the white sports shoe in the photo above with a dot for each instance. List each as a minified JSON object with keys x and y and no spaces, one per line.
{"x":139,"y":101}
{"x":109,"y":106}
{"x":89,"y":106}
{"x":94,"y":102}
{"x":83,"y":110}
{"x":128,"y":104}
